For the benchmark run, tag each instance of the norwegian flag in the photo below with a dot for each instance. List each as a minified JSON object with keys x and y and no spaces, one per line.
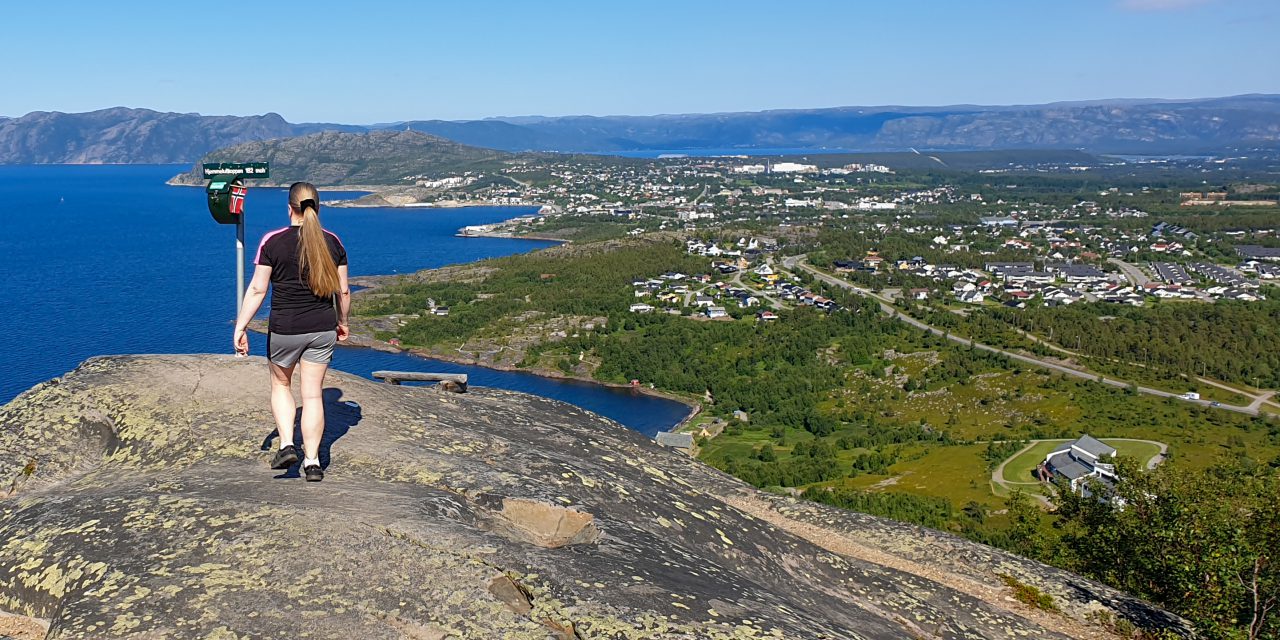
{"x":238,"y":193}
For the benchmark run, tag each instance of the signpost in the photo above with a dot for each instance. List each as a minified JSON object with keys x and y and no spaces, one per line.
{"x":226,"y":194}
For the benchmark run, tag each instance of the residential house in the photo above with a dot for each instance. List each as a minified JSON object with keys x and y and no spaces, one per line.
{"x":1079,"y":461}
{"x":680,"y":441}
{"x":1076,"y":272}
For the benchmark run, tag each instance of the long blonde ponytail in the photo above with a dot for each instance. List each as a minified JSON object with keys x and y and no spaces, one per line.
{"x":315,"y":261}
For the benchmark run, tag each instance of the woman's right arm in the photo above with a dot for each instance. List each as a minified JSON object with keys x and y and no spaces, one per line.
{"x":344,"y":303}
{"x":252,"y":301}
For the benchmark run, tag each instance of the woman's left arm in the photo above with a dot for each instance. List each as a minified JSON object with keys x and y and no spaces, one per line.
{"x":252,"y":301}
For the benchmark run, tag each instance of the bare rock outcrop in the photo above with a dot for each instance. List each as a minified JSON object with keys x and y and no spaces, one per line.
{"x":137,"y":502}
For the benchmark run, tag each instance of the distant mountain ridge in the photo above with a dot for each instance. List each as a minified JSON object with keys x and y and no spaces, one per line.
{"x":122,"y":135}
{"x":1114,"y":126}
{"x":135,"y":136}
{"x":330,"y":158}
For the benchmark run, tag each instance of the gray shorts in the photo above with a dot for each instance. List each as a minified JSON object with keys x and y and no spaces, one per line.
{"x":284,"y":349}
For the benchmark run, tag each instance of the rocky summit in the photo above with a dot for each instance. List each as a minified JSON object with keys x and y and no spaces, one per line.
{"x":137,"y":501}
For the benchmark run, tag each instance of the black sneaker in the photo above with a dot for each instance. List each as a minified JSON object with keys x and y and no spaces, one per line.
{"x":286,"y":457}
{"x":313,"y":472}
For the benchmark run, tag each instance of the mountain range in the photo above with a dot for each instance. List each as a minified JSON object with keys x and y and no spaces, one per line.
{"x":1116,"y":126}
{"x":135,"y":136}
{"x":1137,"y":126}
{"x":356,"y":158}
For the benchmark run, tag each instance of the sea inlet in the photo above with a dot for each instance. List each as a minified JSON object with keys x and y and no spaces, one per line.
{"x":111,"y":260}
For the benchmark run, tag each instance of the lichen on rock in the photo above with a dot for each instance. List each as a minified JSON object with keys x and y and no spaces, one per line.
{"x":151,"y":512}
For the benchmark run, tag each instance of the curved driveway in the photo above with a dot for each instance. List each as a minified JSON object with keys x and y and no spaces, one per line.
{"x":997,"y":476}
{"x":792,"y":262}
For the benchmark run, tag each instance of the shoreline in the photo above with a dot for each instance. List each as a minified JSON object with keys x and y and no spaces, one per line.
{"x":508,"y":236}
{"x":382,"y":190}
{"x":174,"y":182}
{"x":366,"y":342}
{"x":695,"y":408}
{"x":440,"y":204}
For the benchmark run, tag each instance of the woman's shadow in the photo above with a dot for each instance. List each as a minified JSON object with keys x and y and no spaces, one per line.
{"x":339,"y":417}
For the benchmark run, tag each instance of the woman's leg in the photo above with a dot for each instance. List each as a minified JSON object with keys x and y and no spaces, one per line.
{"x":312,"y":378}
{"x":283,"y":406}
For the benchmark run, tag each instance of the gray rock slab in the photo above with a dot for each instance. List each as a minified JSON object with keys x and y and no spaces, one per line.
{"x":140,"y":503}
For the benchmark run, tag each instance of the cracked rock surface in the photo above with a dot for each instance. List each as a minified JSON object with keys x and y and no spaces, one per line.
{"x":137,"y":501}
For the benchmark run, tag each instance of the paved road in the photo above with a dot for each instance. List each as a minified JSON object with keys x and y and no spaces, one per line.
{"x":737,"y":281}
{"x":997,"y":476}
{"x":794,"y":262}
{"x":1132,"y":272}
{"x":701,"y":195}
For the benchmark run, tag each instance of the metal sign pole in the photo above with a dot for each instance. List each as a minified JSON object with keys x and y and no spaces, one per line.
{"x":239,"y":265}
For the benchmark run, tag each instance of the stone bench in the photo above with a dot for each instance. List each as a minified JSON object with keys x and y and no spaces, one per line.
{"x":456,"y":382}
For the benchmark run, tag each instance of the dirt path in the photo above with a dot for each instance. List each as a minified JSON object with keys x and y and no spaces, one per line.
{"x":22,"y":628}
{"x":996,"y":597}
{"x":1256,"y":405}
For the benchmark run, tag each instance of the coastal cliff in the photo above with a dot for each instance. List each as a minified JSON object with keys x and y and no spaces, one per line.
{"x":136,"y":501}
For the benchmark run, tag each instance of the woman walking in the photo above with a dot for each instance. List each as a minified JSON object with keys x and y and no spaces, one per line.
{"x":306,"y":268}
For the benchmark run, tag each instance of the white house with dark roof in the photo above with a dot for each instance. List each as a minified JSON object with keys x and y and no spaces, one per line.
{"x":1079,"y":460}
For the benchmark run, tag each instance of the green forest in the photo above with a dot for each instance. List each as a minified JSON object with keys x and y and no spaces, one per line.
{"x":841,"y":406}
{"x":1231,"y":341}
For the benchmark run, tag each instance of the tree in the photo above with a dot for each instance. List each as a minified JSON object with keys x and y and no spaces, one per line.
{"x":767,"y":454}
{"x":1024,"y":529}
{"x":1205,"y":544}
{"x":975,"y":512}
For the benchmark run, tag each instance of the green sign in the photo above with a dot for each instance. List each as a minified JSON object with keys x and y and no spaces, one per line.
{"x":233,"y":169}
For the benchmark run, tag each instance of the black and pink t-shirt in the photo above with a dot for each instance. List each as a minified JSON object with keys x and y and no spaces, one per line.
{"x":294,"y":308}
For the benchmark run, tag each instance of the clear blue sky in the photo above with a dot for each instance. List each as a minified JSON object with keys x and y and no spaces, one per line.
{"x":382,"y":61}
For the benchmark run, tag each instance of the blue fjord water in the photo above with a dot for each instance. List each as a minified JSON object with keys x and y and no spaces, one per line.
{"x":108,"y":260}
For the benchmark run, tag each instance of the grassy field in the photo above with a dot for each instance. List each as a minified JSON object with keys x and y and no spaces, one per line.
{"x":1019,"y":469}
{"x":958,"y":473}
{"x":1007,"y":405}
{"x":986,"y":406}
{"x":1143,"y":452}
